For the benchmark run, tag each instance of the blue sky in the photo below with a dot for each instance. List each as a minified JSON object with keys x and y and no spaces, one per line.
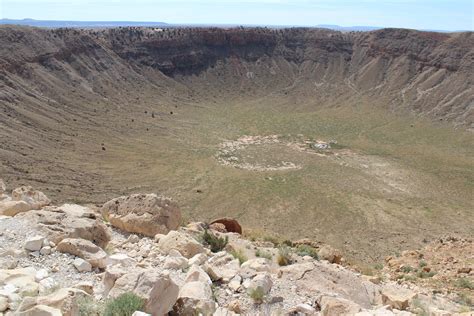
{"x":420,"y":14}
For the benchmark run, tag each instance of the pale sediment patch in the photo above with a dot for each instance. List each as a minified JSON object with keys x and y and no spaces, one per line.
{"x":230,"y":153}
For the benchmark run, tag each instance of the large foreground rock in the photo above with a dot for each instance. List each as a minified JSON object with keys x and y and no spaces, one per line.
{"x":64,"y":300}
{"x":85,"y":250}
{"x":397,"y":297}
{"x":11,"y":208}
{"x":41,"y":310}
{"x":185,"y":244}
{"x":36,"y":199}
{"x":22,"y":279}
{"x":23,"y":199}
{"x":330,"y":254}
{"x":158,"y":290}
{"x":195,"y":298}
{"x":69,"y":221}
{"x":146,"y":214}
{"x":336,"y":306}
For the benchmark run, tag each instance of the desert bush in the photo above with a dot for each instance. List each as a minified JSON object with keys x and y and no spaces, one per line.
{"x":284,"y":256}
{"x":272,"y":239}
{"x":238,"y":254}
{"x":378,"y":266}
{"x":214,"y":242}
{"x":408,"y":277}
{"x":305,"y":250}
{"x":257,"y":295}
{"x":425,"y":275}
{"x":406,"y":269}
{"x":88,"y":307}
{"x":465,"y":283}
{"x":263,"y":254}
{"x":124,"y":305}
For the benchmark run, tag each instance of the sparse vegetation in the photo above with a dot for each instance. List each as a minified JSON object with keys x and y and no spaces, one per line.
{"x":257,"y":295}
{"x":124,"y":305}
{"x":274,"y":240}
{"x":465,"y":283}
{"x":214,"y":242}
{"x":424,"y":274}
{"x":284,"y":256}
{"x":419,"y":307}
{"x":87,"y":306}
{"x":422,"y":264}
{"x":378,"y":266}
{"x":406,"y":269}
{"x":466,"y":300}
{"x":263,"y":254}
{"x":305,"y":250}
{"x":409,"y":277}
{"x":239,"y":254}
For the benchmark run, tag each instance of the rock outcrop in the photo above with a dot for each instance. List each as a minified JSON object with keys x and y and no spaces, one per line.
{"x":84,"y":249}
{"x":146,"y":214}
{"x":23,"y":199}
{"x":69,"y":221}
{"x":185,"y":244}
{"x":176,"y":274}
{"x":158,"y":290}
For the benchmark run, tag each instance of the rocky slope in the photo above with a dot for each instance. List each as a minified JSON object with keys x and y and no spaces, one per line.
{"x":88,"y":115}
{"x":71,"y":260}
{"x":424,"y":72}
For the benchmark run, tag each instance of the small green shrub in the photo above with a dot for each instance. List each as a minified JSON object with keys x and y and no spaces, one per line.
{"x":257,"y":295}
{"x":88,"y":307}
{"x":238,"y":254}
{"x":465,"y":283}
{"x":263,"y":254}
{"x":378,"y":266}
{"x":305,"y":250}
{"x":422,"y":264}
{"x":406,"y":269}
{"x":284,"y":256}
{"x":124,"y":305}
{"x":425,"y":275}
{"x":408,"y":277}
{"x":215,"y":243}
{"x":272,"y":239}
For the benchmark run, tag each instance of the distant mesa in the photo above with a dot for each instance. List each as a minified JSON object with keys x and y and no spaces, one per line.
{"x":79,"y":24}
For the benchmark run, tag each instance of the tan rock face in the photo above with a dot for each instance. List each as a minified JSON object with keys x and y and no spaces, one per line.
{"x":85,"y":250}
{"x":334,"y":306}
{"x":396,"y":297}
{"x":261,"y":282}
{"x":22,"y":278}
{"x":330,"y":254}
{"x":41,"y":310}
{"x":195,"y":297}
{"x":146,"y":214}
{"x":185,"y":244}
{"x":64,"y":300}
{"x":69,"y":221}
{"x":36,"y":199}
{"x":158,"y":290}
{"x":11,"y":208}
